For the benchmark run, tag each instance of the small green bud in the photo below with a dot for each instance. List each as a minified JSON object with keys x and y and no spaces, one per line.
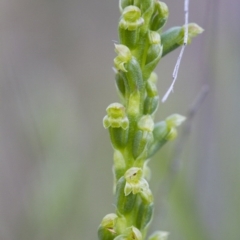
{"x":144,"y":215}
{"x":154,"y":37}
{"x":133,"y":108}
{"x":134,"y":75}
{"x":106,"y":229}
{"x":159,"y":134}
{"x":151,"y":88}
{"x":125,"y":203}
{"x":165,"y":131}
{"x":143,"y":137}
{"x":119,"y":164}
{"x":147,"y":8}
{"x":150,"y":105}
{"x":124,"y":56}
{"x":131,"y":18}
{"x":153,"y":77}
{"x":174,"y":37}
{"x":146,"y":123}
{"x":160,"y":16}
{"x":120,"y":85}
{"x":154,"y":53}
{"x":159,"y":235}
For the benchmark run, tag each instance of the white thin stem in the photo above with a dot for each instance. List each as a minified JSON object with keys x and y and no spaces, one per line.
{"x":176,"y":68}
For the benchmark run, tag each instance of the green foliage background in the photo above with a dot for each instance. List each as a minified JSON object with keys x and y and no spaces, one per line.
{"x":55,"y":157}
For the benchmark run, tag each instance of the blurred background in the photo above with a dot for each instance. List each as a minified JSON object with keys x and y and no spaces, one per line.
{"x":55,"y":157}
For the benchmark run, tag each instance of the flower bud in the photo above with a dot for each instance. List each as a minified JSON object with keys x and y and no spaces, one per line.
{"x":119,"y":164}
{"x":106,"y":229}
{"x":150,"y":105}
{"x":151,"y":87}
{"x":133,"y":108}
{"x":120,"y":84}
{"x":146,"y":123}
{"x":160,"y":16}
{"x":144,"y":215}
{"x":165,"y":131}
{"x":134,"y":75}
{"x":174,"y":37}
{"x":159,"y":134}
{"x":125,"y":203}
{"x":151,"y":100}
{"x":159,"y":235}
{"x":144,"y":136}
{"x":154,"y":53}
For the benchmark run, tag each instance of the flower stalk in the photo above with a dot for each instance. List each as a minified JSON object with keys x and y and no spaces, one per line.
{"x":134,"y":135}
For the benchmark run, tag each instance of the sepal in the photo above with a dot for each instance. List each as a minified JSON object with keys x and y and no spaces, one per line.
{"x":160,"y":16}
{"x":175,"y":120}
{"x":124,"y":56}
{"x":131,"y":233}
